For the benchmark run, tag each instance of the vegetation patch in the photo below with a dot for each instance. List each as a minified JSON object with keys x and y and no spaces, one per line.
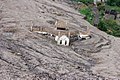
{"x":113,"y":3}
{"x":88,"y":13}
{"x":110,"y":26}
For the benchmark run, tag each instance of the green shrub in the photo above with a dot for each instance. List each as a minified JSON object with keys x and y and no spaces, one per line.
{"x":109,"y":26}
{"x":88,"y":13}
{"x":113,"y":2}
{"x":116,"y":8}
{"x":101,"y":7}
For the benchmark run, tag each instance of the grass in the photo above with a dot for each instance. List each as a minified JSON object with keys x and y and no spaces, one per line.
{"x":88,"y":13}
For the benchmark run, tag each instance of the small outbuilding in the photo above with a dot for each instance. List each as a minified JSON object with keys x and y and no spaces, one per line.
{"x":62,"y":40}
{"x":61,"y":25}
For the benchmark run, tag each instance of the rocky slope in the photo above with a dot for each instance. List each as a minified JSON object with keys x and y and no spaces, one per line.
{"x":25,"y":55}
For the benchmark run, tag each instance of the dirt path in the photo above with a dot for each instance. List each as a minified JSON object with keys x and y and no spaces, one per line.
{"x":96,"y":16}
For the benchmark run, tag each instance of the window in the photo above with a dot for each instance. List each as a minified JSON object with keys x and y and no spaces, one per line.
{"x":65,"y":42}
{"x":59,"y":28}
{"x":60,"y":41}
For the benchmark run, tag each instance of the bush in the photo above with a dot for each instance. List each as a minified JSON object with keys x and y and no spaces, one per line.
{"x":101,"y":7}
{"x":102,"y":26}
{"x":88,"y":13}
{"x":116,"y":8}
{"x":113,"y":2}
{"x":110,"y":26}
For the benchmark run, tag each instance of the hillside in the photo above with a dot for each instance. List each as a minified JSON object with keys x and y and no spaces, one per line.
{"x":26,"y":55}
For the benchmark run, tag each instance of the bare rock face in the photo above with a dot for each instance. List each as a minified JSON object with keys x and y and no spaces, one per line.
{"x":25,"y":55}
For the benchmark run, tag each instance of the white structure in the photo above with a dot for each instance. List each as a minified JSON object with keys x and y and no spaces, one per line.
{"x":95,"y":1}
{"x":83,"y":36}
{"x":62,"y":40}
{"x":44,"y":33}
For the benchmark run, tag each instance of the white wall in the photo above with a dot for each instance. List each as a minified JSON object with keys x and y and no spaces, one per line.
{"x":63,"y":40}
{"x":95,"y":1}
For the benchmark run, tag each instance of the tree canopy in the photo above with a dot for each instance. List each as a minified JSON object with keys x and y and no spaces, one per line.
{"x":113,"y":2}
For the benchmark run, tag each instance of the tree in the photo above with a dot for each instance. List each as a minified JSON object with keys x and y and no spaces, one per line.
{"x":113,"y":2}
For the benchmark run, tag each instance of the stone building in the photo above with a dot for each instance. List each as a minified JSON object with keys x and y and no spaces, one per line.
{"x":63,"y":37}
{"x":61,"y":32}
